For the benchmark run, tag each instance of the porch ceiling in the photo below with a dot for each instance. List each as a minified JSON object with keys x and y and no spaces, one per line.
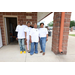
{"x":41,"y":15}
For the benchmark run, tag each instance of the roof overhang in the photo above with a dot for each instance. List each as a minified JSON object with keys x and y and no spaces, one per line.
{"x":42,"y":15}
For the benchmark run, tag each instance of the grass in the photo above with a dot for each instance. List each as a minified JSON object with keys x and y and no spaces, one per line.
{"x":72,"y":35}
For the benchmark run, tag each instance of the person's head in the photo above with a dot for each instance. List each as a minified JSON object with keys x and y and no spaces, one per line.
{"x":28,"y":23}
{"x":21,"y":22}
{"x":41,"y":25}
{"x":35,"y":25}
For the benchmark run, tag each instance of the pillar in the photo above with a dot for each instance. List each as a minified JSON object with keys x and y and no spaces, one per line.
{"x":56,"y":32}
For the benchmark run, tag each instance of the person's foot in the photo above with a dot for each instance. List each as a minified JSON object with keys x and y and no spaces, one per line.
{"x":31,"y":54}
{"x":24,"y":51}
{"x":41,"y":51}
{"x":28,"y":51}
{"x":36,"y":52}
{"x":20,"y":52}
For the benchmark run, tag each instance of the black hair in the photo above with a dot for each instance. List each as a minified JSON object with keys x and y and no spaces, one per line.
{"x":41,"y":23}
{"x":28,"y":22}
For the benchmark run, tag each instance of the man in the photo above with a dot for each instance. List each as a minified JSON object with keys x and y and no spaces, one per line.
{"x":34,"y":39}
{"x":27,"y":31}
{"x":43,"y":33}
{"x":21,"y":36}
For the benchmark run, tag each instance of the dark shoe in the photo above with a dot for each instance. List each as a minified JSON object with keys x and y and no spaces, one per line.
{"x":41,"y":51}
{"x":36,"y":53}
{"x":31,"y":54}
{"x":28,"y":51}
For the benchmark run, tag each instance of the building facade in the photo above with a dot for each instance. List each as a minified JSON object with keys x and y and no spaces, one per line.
{"x":34,"y":17}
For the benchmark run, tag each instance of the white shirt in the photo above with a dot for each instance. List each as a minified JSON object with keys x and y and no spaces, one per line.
{"x":20,"y":29}
{"x":43,"y":32}
{"x":34,"y":33}
{"x":28,"y":29}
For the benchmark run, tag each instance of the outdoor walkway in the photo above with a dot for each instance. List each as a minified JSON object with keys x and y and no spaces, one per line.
{"x":11,"y":53}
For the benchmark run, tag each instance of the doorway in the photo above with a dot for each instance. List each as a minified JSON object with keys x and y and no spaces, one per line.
{"x":10,"y":26}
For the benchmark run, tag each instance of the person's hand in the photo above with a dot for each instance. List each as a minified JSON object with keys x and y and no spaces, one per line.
{"x":39,"y":40}
{"x":16,"y":38}
{"x":30,"y":41}
{"x":47,"y":39}
{"x":25,"y":39}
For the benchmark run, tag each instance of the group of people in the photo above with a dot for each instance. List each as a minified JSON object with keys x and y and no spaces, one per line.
{"x":27,"y":34}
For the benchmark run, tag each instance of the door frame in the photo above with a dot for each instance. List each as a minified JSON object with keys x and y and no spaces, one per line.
{"x":5,"y":16}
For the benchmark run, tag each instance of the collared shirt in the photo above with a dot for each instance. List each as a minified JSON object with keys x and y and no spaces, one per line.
{"x":43,"y":32}
{"x":28,"y":29}
{"x":20,"y":29}
{"x":34,"y":33}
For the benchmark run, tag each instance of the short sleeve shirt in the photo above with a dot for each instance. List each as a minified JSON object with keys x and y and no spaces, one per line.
{"x":34,"y":33}
{"x":20,"y":29}
{"x":43,"y":32}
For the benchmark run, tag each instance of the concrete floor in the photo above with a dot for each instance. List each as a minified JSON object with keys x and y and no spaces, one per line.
{"x":11,"y":53}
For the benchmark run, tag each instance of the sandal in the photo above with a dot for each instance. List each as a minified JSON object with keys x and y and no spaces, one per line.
{"x":41,"y":51}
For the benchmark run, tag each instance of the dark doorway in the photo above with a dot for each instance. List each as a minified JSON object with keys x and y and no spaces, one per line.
{"x":11,"y":26}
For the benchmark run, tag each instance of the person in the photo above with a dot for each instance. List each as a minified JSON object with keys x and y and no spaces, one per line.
{"x":31,"y":26}
{"x":27,"y":31}
{"x":21,"y":36}
{"x":34,"y":39}
{"x":43,"y":34}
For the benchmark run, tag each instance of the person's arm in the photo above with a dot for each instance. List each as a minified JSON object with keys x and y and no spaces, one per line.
{"x":25,"y":30}
{"x":46,"y":35}
{"x":39,"y":35}
{"x":16,"y":33}
{"x":30,"y":36}
{"x":16,"y":36}
{"x":30,"y":39}
{"x":25,"y":36}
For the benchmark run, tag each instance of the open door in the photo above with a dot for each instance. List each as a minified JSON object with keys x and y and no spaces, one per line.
{"x":6,"y":30}
{"x":10,"y":26}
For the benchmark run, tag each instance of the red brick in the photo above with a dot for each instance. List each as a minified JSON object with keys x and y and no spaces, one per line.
{"x":64,"y":48}
{"x":67,"y":24}
{"x":14,"y":13}
{"x":19,"y":17}
{"x":34,"y":17}
{"x":65,"y":33}
{"x":1,"y":16}
{"x":66,"y":29}
{"x":8,"y":13}
{"x":4,"y":13}
{"x":23,"y":16}
{"x":65,"y":37}
{"x":20,"y":13}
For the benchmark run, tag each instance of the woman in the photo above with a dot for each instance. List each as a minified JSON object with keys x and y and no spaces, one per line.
{"x":34,"y":39}
{"x":43,"y":34}
{"x":27,"y":31}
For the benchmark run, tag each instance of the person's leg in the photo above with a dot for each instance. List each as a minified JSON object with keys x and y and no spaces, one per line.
{"x":36,"y":47}
{"x":43,"y":44}
{"x":20,"y":44}
{"x":28,"y":45}
{"x":23,"y":45}
{"x":32,"y":48}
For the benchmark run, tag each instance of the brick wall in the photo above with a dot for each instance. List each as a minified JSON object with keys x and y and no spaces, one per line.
{"x":56,"y":32}
{"x":66,"y":31}
{"x":21,"y":15}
